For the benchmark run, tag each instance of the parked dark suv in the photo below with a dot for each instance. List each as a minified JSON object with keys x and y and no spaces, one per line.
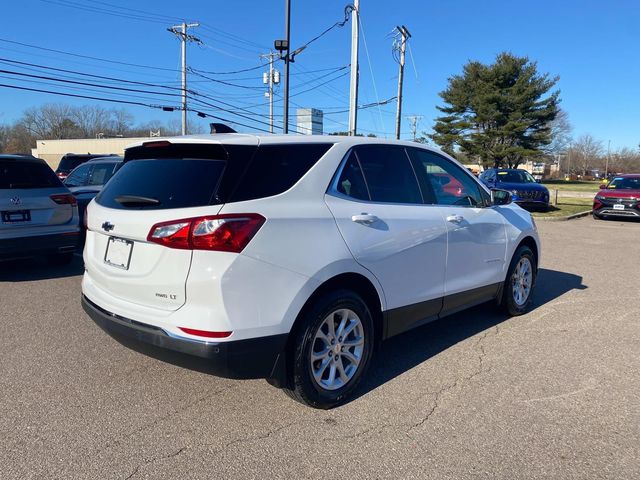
{"x":86,"y":181}
{"x":71,"y":160}
{"x":525,"y":190}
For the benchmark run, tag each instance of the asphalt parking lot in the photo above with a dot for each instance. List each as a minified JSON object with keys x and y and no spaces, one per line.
{"x":553,"y":394}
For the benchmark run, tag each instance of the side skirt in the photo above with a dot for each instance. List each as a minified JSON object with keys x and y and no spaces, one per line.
{"x":402,"y":319}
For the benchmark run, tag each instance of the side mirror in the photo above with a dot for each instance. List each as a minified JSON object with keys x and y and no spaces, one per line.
{"x":500,"y":197}
{"x":603,"y":186}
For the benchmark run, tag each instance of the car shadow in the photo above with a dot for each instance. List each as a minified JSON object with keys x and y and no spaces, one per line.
{"x":401,"y":353}
{"x":31,"y":269}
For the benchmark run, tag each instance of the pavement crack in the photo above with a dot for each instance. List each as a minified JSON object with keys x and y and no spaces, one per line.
{"x":153,"y":460}
{"x":253,"y":438}
{"x":160,"y":419}
{"x":457,"y":382}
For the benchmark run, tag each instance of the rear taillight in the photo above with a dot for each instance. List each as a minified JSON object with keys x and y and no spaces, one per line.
{"x":64,"y":199}
{"x":223,"y":233}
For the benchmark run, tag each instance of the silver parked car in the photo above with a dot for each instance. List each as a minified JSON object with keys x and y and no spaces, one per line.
{"x":39,"y":215}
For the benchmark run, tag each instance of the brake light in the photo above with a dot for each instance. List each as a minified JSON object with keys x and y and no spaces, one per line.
{"x":64,"y":199}
{"x":222,"y":233}
{"x":205,"y":333}
{"x":157,"y":144}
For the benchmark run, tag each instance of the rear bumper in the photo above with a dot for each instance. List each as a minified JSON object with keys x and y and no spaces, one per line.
{"x":40,"y":244}
{"x":252,"y":358}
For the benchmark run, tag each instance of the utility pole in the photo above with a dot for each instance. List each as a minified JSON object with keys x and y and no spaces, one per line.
{"x":287,"y":59}
{"x":401,"y":46}
{"x":270,"y":78}
{"x":606,"y":168}
{"x":353,"y":87}
{"x":184,"y":37}
{"x":414,"y":119}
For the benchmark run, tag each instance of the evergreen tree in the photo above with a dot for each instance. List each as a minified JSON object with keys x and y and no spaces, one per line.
{"x":500,"y":113}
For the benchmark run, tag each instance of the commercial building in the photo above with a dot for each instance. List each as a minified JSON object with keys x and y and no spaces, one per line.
{"x":52,"y":150}
{"x":309,"y":121}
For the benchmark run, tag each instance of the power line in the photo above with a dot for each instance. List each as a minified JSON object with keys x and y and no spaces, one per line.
{"x":87,"y":56}
{"x":128,"y":102}
{"x":317,"y":86}
{"x":75,"y":72}
{"x":341,"y":23}
{"x":88,"y":8}
{"x":16,"y":87}
{"x":223,"y":82}
{"x":157,"y":15}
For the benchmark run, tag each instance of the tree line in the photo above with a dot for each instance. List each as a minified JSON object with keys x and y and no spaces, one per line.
{"x":55,"y":121}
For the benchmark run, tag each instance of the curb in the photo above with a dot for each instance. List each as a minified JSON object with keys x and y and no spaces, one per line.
{"x":562,"y":219}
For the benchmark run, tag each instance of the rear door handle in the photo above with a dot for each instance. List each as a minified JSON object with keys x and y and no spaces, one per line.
{"x":455,"y":218}
{"x":365,"y":218}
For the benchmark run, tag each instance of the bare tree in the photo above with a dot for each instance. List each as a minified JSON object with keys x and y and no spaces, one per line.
{"x":585,"y":154}
{"x":52,"y":120}
{"x":561,"y":130}
{"x":92,"y":120}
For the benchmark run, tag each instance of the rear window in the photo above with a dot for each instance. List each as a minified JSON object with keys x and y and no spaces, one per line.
{"x":24,"y":175}
{"x":164,"y":183}
{"x":69,"y":163}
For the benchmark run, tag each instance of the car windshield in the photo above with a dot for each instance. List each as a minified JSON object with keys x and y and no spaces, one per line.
{"x":622,"y":183}
{"x":515,"y":176}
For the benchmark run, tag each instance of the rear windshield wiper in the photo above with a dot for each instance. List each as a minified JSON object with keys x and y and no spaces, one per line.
{"x":136,"y":201}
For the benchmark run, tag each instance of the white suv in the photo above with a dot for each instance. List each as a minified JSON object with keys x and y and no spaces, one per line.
{"x":291,"y":258}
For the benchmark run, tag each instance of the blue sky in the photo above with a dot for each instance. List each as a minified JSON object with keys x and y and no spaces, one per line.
{"x":593,"y":47}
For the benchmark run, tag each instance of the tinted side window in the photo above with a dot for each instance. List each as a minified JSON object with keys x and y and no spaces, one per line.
{"x":449,"y":183}
{"x":276,"y":168}
{"x":78,"y":177}
{"x":388,"y":173}
{"x":101,"y":173}
{"x":351,"y":181}
{"x":17,"y":174}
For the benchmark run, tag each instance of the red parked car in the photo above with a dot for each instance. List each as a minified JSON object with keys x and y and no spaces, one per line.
{"x":619,"y":198}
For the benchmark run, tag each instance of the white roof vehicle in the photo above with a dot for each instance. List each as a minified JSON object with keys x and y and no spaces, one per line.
{"x":291,"y":258}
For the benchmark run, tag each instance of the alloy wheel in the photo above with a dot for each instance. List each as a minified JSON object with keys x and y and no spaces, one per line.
{"x":521,"y":281}
{"x":337,"y":349}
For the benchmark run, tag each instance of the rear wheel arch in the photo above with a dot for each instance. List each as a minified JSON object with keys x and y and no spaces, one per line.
{"x":354,"y":282}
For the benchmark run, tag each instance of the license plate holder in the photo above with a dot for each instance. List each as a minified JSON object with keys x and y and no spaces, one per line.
{"x":16,"y":216}
{"x":618,"y":206}
{"x":118,"y":253}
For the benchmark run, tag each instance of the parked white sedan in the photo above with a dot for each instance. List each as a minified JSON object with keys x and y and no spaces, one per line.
{"x":291,"y":258}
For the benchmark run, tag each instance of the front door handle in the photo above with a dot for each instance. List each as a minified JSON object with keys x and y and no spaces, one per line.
{"x":365,"y":218}
{"x":455,"y":218}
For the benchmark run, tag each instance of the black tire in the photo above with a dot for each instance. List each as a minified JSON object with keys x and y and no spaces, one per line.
{"x":301,"y":384}
{"x":60,"y":259}
{"x":598,"y":217}
{"x":508,"y":301}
